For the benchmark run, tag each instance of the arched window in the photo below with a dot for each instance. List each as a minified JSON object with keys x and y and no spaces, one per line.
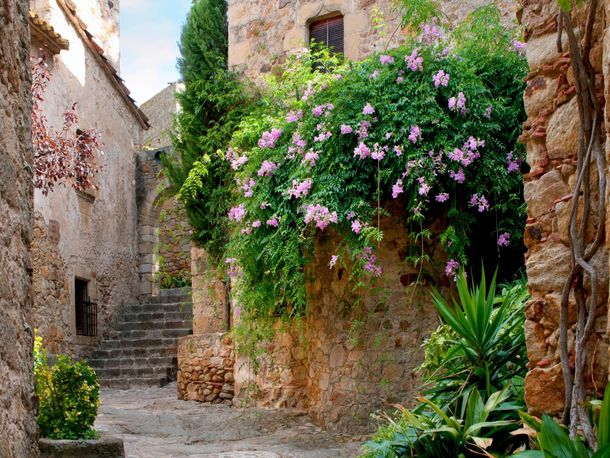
{"x":328,"y":31}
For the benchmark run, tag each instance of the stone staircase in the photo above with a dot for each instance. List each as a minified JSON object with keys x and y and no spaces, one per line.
{"x":141,"y":348}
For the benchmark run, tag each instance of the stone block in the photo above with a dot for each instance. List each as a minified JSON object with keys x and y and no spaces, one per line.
{"x":548,"y":265}
{"x":544,"y":390}
{"x":563,"y":131}
{"x":541,"y":194}
{"x":106,"y":447}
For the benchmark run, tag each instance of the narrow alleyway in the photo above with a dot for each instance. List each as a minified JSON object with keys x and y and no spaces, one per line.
{"x":154,"y":424}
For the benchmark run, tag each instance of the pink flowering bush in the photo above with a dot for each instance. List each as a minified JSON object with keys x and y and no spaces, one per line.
{"x":436,"y":129}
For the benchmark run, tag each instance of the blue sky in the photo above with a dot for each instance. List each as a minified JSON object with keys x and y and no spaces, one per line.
{"x":150,"y":30}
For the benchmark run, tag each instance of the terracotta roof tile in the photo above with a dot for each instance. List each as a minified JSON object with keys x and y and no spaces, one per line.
{"x":44,"y":35}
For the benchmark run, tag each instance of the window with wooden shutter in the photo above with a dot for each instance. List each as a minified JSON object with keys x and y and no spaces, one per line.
{"x":329,"y":32}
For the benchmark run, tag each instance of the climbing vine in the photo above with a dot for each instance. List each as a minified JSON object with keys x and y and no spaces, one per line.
{"x":588,"y":199}
{"x":432,"y":125}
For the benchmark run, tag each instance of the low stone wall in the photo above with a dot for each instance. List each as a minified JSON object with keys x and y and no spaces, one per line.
{"x":205,"y":368}
{"x":106,"y":447}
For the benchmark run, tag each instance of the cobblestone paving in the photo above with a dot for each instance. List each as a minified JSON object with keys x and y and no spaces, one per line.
{"x":154,"y":424}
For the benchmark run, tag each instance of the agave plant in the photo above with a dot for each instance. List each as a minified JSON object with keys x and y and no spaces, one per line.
{"x":489,"y":349}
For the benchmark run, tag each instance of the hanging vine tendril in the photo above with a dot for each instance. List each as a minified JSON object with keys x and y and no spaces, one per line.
{"x":590,"y":174}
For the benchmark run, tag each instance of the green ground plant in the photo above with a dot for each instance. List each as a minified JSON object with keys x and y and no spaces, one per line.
{"x":68,"y":396}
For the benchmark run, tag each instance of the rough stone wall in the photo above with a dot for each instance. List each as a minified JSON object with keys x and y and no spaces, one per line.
{"x":164,"y":236}
{"x":205,"y":368}
{"x":17,"y":426}
{"x":261,"y":31}
{"x":95,"y":232}
{"x":551,"y":137}
{"x":281,"y":379}
{"x":362,"y":351}
{"x":160,"y":110}
{"x":174,"y":245}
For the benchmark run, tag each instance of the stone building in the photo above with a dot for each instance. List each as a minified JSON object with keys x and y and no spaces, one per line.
{"x":17,"y":425}
{"x":551,"y":136}
{"x":85,"y":247}
{"x":340,"y":362}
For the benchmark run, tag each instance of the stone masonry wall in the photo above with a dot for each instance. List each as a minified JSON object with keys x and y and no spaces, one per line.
{"x":17,"y":425}
{"x":94,"y":233}
{"x":261,"y":31}
{"x":205,"y":368}
{"x":551,"y":137}
{"x":174,"y":245}
{"x":160,"y":110}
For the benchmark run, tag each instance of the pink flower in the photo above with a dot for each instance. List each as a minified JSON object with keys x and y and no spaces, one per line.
{"x":256,"y":223}
{"x":298,"y":141}
{"x":273,"y":222}
{"x":323,"y":136}
{"x":441,"y":79}
{"x":322,"y":216}
{"x":237,"y":213}
{"x":333,"y":260}
{"x":318,"y":111}
{"x":400,"y":79}
{"x":378,"y":152}
{"x":356,"y":226}
{"x":442,"y":197}
{"x":363,"y":129}
{"x":345,"y":129}
{"x":480,"y":202}
{"x":414,"y":62}
{"x":514,"y":165}
{"x":232,"y":265}
{"x":368,"y":109}
{"x":414,"y":134}
{"x":350,"y":215}
{"x":248,"y":186}
{"x":362,"y":151}
{"x":398,"y":150}
{"x":519,"y":47}
{"x":397,"y":189}
{"x":293,"y":116}
{"x":488,"y":112}
{"x":269,"y":139}
{"x":385,"y":59}
{"x":458,"y":104}
{"x":375,"y":74}
{"x":267,"y":168}
{"x":309,"y":92}
{"x":300,"y":188}
{"x":424,"y":188}
{"x":310,"y":158}
{"x":369,"y":261}
{"x":430,"y":34}
{"x":452,"y":268}
{"x":504,"y":239}
{"x":458,"y":176}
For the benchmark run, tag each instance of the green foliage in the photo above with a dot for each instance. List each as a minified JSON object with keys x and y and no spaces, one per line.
{"x":212,"y":104}
{"x":68,"y":394}
{"x":553,"y":440}
{"x":418,"y":12}
{"x":433,"y":433}
{"x":470,"y":379}
{"x":489,"y":348}
{"x":273,"y":259}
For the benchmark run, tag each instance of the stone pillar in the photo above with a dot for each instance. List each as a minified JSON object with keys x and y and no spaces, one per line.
{"x":17,"y":426}
{"x":551,"y":138}
{"x":207,"y":358}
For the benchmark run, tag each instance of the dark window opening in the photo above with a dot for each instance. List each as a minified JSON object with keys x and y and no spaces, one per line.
{"x":86,"y":311}
{"x":329,"y":32}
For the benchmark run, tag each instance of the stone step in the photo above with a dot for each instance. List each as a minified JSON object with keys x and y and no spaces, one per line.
{"x":143,"y":317}
{"x":133,"y":361}
{"x":186,"y":306}
{"x":151,"y":325}
{"x":132,"y":372}
{"x":173,"y":298}
{"x":150,"y":335}
{"x":125,"y":383}
{"x":132,"y":352}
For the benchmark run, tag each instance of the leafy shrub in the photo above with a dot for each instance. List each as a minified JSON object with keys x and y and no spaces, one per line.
{"x":68,"y":395}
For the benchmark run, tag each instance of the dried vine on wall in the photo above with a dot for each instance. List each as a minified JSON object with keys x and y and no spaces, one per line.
{"x":589,"y":192}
